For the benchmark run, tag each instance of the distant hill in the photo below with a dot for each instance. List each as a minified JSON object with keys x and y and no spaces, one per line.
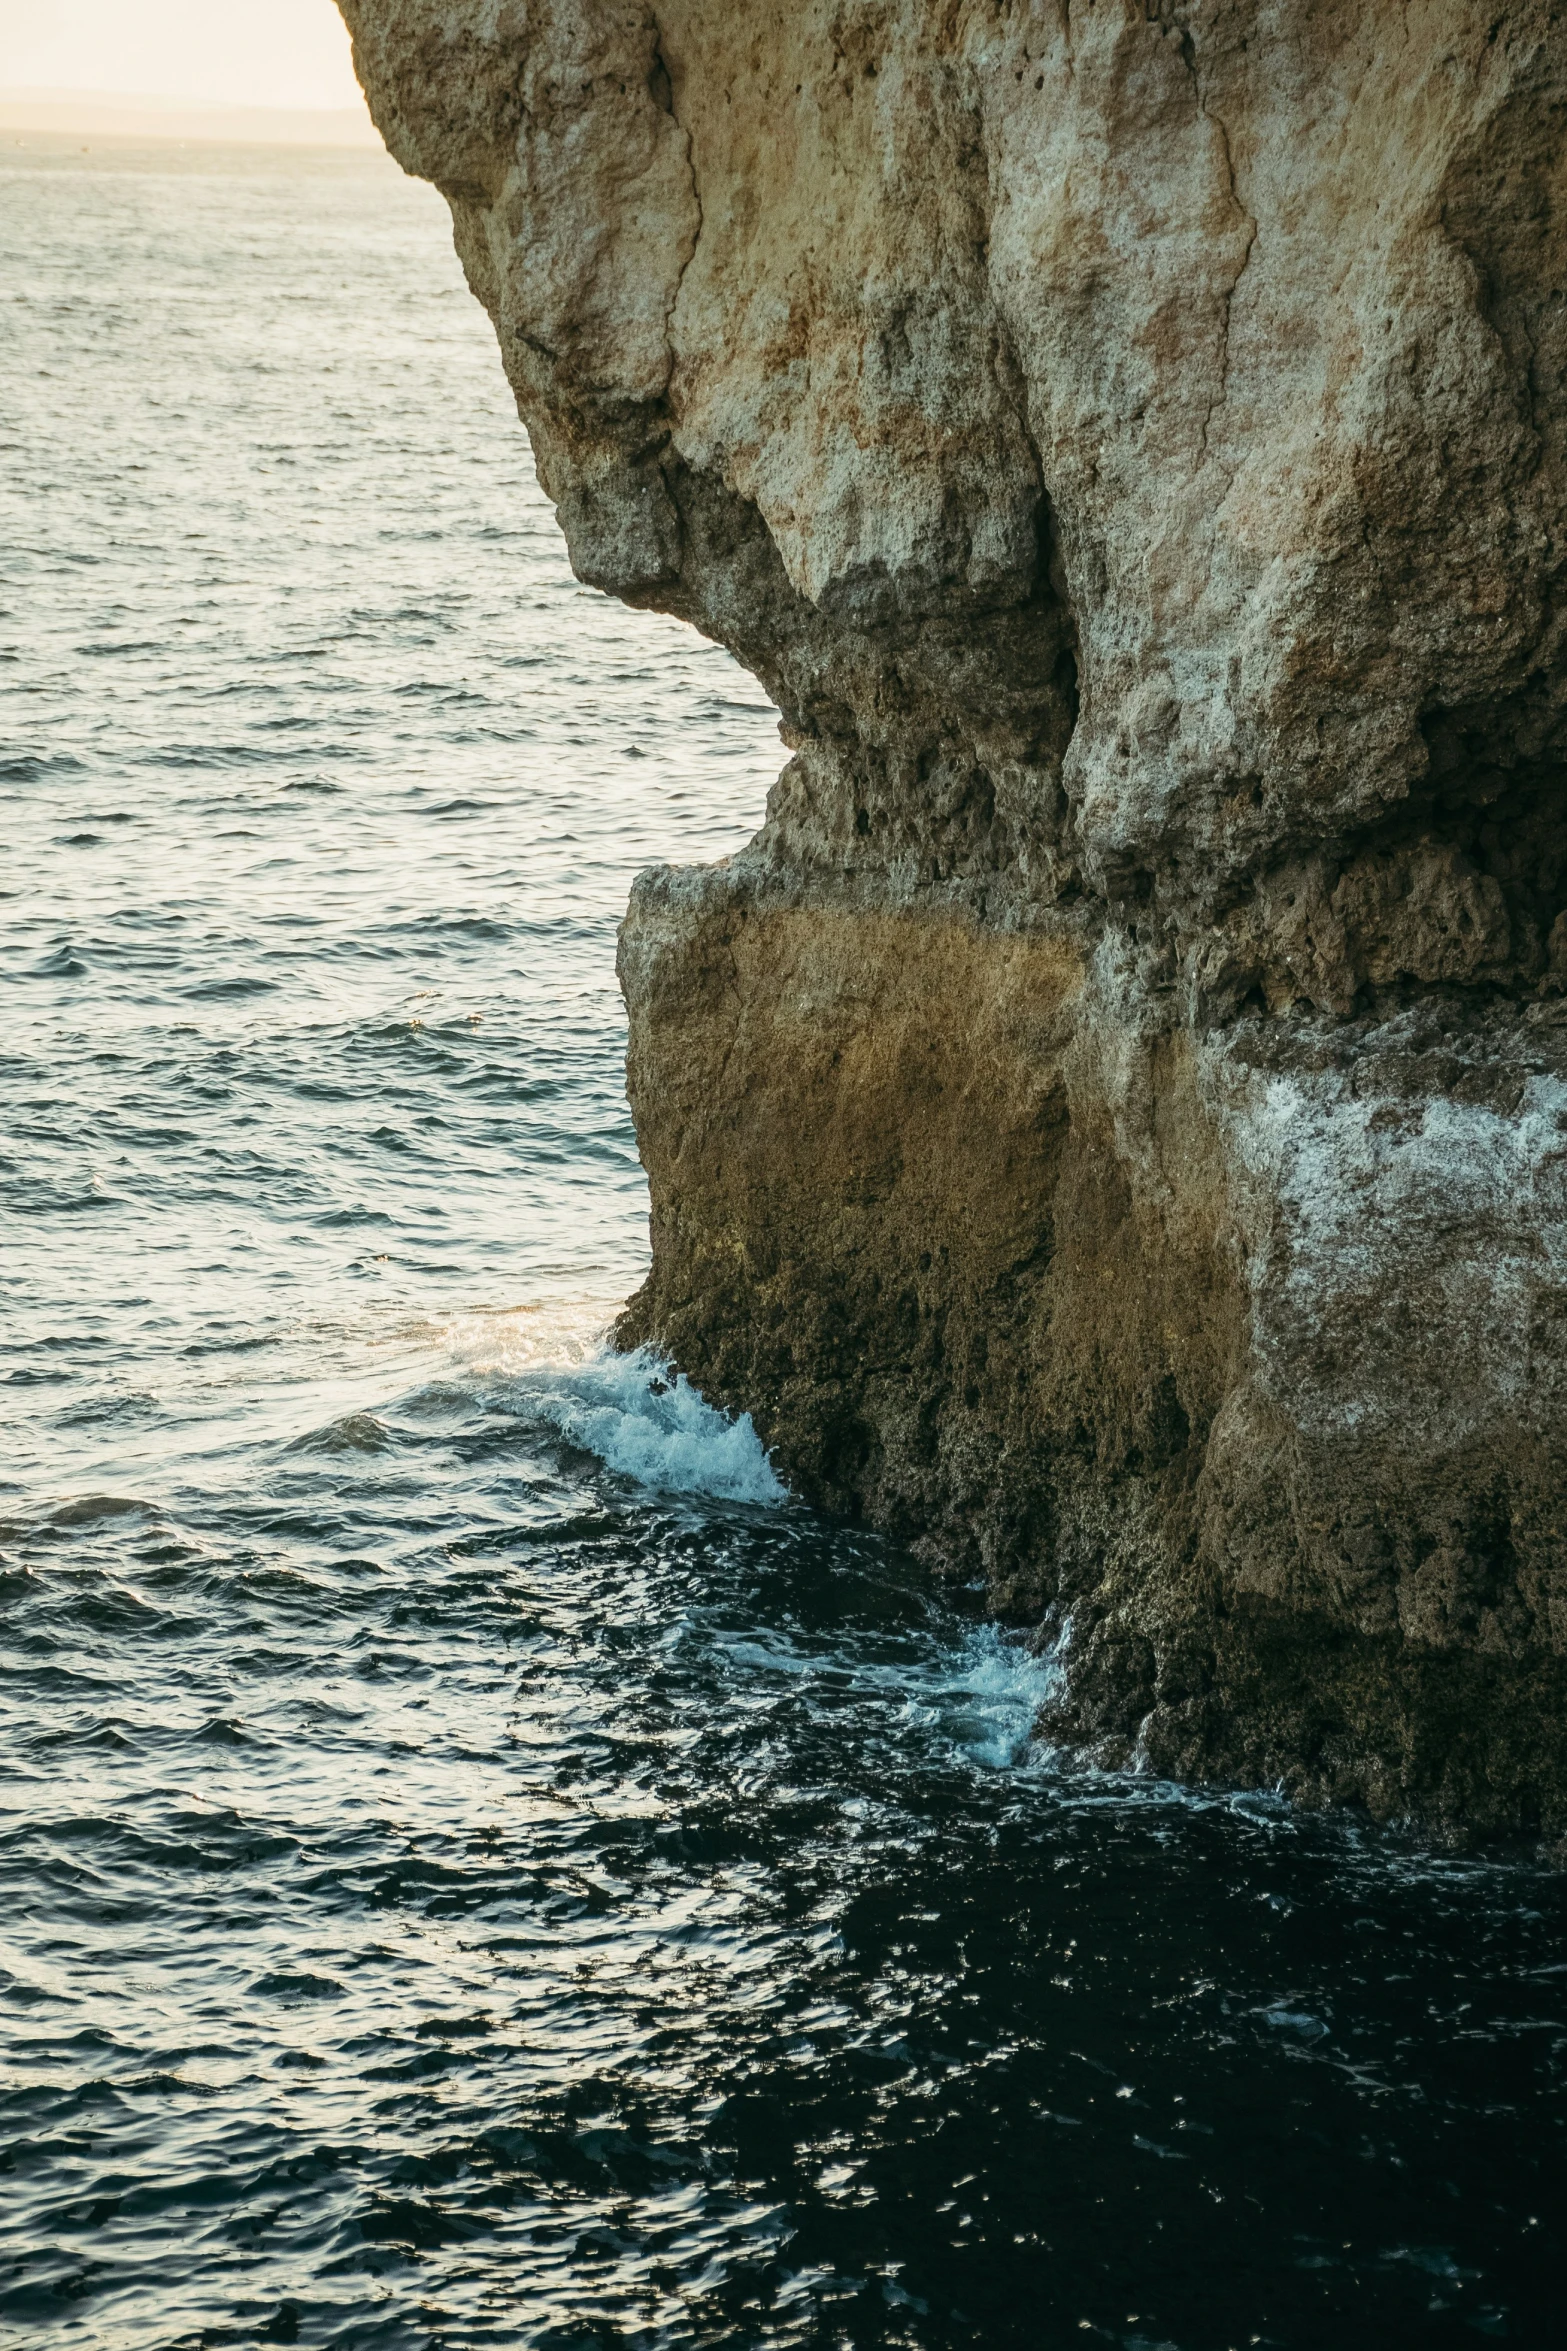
{"x":110,"y":115}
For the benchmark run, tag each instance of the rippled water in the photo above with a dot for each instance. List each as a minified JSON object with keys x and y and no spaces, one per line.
{"x":480,"y":1865}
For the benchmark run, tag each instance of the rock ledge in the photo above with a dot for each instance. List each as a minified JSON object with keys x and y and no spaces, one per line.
{"x":1110,"y":1127}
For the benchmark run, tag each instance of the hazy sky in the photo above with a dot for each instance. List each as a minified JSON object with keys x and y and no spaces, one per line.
{"x":230,"y":52}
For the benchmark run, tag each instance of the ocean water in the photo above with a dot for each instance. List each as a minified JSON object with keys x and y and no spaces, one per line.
{"x":479,"y":1863}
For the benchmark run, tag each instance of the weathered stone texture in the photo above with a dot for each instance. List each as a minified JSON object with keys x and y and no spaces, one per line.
{"x":1111,"y":1126}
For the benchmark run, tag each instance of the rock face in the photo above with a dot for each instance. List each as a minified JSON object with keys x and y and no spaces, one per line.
{"x":1110,"y":1127}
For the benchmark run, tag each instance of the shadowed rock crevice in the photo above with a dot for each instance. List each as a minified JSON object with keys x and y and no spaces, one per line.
{"x":1110,"y":1127}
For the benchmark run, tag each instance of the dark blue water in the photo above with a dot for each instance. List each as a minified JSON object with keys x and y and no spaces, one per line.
{"x":480,"y":1865}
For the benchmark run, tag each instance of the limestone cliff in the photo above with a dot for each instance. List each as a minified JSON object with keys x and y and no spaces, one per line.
{"x":1111,"y":1125}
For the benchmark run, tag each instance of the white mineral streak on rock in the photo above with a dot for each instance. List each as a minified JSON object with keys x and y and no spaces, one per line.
{"x":1455,"y":1214}
{"x":1109,"y":1126}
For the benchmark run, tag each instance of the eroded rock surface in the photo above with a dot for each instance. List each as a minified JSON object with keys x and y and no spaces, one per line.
{"x":1111,"y":1125}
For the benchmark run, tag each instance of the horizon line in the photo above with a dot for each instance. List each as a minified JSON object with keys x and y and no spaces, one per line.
{"x":118,"y":113}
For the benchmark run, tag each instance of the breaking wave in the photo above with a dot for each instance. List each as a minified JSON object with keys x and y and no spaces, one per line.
{"x":646,"y":1422}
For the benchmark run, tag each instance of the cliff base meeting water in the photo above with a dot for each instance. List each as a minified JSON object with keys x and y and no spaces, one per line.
{"x":482,"y":1864}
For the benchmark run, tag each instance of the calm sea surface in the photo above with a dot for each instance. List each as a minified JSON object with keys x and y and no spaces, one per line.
{"x":479,"y":1864}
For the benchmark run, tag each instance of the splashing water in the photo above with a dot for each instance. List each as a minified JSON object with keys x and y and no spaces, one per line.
{"x":646,"y":1422}
{"x":481,"y":1864}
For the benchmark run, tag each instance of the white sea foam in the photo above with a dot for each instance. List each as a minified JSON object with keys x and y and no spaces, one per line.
{"x":985,"y":1694}
{"x":648,"y":1423}
{"x":553,"y":1364}
{"x":643,"y":1420}
{"x":978,"y":1693}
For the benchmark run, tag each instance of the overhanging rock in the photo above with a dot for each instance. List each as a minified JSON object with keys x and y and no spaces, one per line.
{"x":1111,"y":1125}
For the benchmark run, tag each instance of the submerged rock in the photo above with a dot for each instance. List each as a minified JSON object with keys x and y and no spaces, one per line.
{"x":1110,"y":1126}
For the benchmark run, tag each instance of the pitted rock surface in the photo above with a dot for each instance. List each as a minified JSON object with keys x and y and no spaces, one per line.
{"x":1111,"y":1125}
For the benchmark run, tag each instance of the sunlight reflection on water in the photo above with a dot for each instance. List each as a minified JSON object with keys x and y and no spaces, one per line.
{"x":482,"y":1865}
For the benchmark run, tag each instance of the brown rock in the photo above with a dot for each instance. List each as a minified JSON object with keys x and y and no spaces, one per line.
{"x":1111,"y":1125}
